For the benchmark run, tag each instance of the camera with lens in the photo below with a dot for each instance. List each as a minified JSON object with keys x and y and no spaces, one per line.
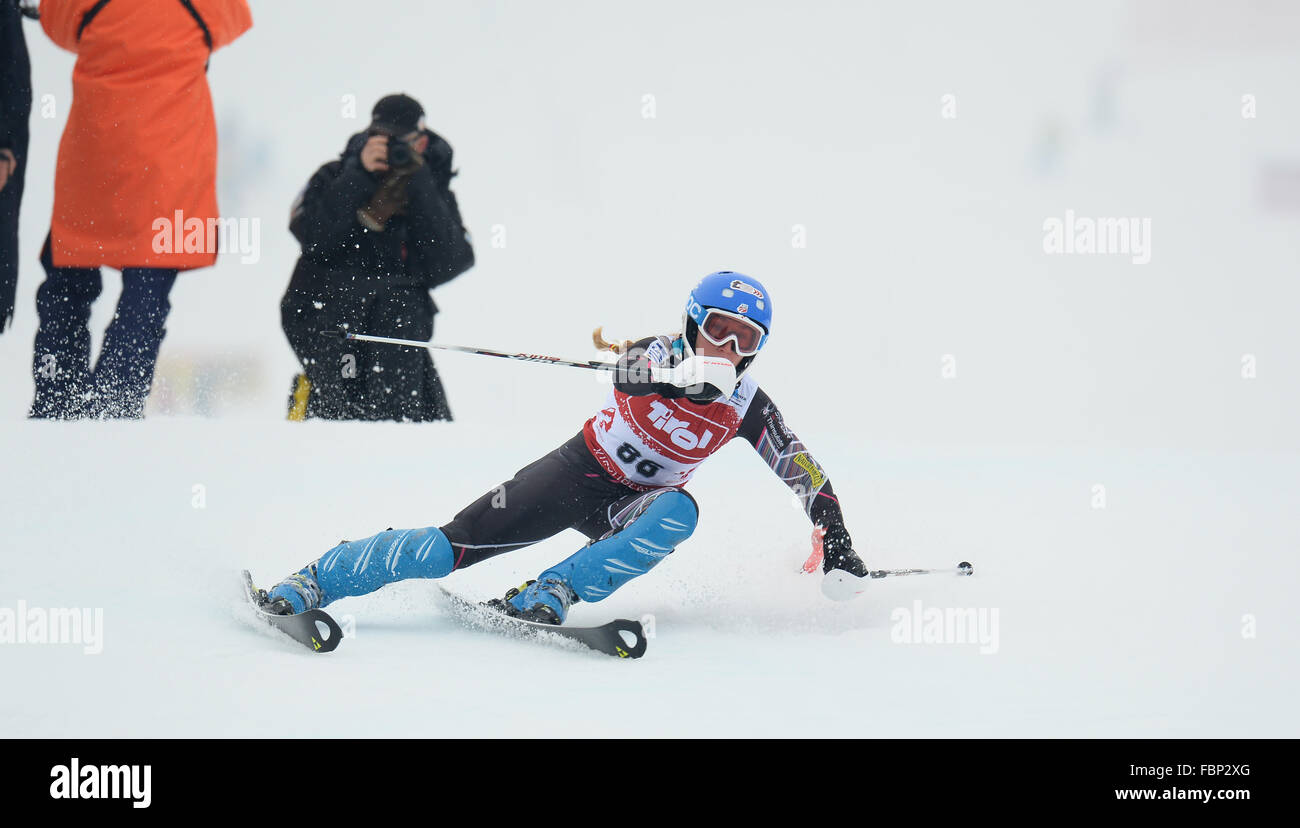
{"x":400,"y":154}
{"x":402,"y":157}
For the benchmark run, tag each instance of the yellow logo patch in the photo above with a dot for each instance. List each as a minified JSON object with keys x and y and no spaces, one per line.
{"x":815,"y":475}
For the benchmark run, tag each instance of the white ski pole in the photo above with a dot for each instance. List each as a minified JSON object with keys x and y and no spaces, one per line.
{"x":839,"y":585}
{"x":963,"y":568}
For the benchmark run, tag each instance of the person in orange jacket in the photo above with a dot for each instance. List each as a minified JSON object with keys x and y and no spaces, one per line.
{"x":134,"y":189}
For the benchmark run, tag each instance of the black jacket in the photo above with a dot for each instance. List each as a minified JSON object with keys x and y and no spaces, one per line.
{"x":425,"y":246}
{"x":15,"y":109}
{"x":373,"y":282}
{"x":15,"y":80}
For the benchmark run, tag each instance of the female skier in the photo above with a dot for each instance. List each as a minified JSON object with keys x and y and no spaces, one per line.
{"x":675,"y":400}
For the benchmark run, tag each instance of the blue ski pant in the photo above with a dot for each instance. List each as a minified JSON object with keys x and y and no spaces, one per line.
{"x":565,"y":489}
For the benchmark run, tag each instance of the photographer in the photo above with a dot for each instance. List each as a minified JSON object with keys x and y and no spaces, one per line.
{"x":379,"y":229}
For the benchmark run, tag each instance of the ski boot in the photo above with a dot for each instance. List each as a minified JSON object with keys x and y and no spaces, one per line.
{"x":542,"y":602}
{"x":260,"y":600}
{"x":297,"y":593}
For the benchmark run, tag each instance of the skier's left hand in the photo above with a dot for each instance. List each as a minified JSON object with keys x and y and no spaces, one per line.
{"x":837,"y":552}
{"x":845,"y":576}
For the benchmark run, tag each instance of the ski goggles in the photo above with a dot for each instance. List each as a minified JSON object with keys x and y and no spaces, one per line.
{"x":721,"y":327}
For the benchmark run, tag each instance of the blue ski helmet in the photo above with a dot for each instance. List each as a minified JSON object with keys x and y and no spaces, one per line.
{"x":734,"y":293}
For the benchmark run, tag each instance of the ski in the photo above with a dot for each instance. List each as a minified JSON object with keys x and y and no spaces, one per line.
{"x":607,"y":638}
{"x":314,"y":629}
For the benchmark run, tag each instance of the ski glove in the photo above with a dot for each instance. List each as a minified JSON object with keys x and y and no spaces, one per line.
{"x":837,"y":552}
{"x":704,"y":379}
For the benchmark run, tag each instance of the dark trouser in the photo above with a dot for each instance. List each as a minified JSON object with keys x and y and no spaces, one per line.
{"x":401,"y":383}
{"x":66,"y":385}
{"x":565,"y":489}
{"x":331,"y":365}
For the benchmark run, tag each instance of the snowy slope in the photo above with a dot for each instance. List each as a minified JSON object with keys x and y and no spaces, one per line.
{"x":1117,"y":622}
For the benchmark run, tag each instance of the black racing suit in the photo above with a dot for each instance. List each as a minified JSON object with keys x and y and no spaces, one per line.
{"x":568,"y":489}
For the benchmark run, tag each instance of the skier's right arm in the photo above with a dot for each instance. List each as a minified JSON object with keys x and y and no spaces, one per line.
{"x":698,"y":379}
{"x":324,"y":216}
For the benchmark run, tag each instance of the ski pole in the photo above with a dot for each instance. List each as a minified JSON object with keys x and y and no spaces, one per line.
{"x":963,"y":568}
{"x":593,"y":364}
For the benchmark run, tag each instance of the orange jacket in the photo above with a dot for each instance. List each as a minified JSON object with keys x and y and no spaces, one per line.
{"x":141,"y":139}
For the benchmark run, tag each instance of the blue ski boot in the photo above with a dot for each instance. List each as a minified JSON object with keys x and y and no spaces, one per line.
{"x":541,"y":603}
{"x":660,"y":521}
{"x":297,"y":593}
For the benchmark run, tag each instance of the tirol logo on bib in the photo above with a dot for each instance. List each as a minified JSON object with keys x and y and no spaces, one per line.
{"x":679,"y":431}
